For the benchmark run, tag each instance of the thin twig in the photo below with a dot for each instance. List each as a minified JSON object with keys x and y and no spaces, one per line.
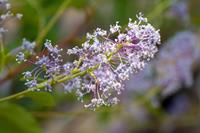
{"x":52,"y":22}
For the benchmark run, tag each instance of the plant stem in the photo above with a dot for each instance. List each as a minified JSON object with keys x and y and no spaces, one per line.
{"x":54,"y":19}
{"x":43,"y":84}
{"x":20,"y":94}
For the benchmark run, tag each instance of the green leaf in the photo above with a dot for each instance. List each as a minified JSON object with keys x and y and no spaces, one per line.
{"x":14,"y":119}
{"x":42,"y":98}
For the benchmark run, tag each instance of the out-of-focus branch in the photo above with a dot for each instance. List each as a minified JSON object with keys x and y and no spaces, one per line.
{"x":48,"y":27}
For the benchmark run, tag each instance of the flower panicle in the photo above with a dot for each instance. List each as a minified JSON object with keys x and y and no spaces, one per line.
{"x":115,"y":54}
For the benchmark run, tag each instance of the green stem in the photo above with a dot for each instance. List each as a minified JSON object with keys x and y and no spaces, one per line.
{"x":58,"y":79}
{"x":20,"y":94}
{"x":48,"y":27}
{"x":111,"y":54}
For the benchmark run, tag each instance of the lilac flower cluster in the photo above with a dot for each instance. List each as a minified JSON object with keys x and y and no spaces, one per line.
{"x":107,"y":58}
{"x":47,"y":66}
{"x":117,"y":54}
{"x":172,"y":68}
{"x":27,"y":48}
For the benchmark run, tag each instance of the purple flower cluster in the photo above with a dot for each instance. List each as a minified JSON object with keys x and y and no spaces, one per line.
{"x":172,"y":68}
{"x":47,"y":66}
{"x":107,"y":57}
{"x":27,"y":48}
{"x":117,"y":53}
